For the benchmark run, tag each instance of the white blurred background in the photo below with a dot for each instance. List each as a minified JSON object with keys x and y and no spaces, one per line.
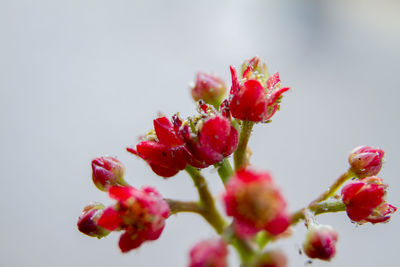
{"x":80,"y":79}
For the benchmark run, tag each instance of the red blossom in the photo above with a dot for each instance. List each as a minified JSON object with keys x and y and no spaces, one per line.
{"x":254,"y":97}
{"x":366,"y":161}
{"x":320,"y":242}
{"x":209,"y":88}
{"x":87,"y":222}
{"x":255,"y":203}
{"x":166,"y":154}
{"x":209,"y":253}
{"x":107,"y":171}
{"x":139,"y":213}
{"x":215,"y":140}
{"x":365,"y":201}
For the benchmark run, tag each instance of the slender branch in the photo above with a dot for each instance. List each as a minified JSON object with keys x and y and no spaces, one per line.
{"x":210,"y":212}
{"x":319,"y":208}
{"x":225,"y":170}
{"x":240,"y":155}
{"x":243,"y":247}
{"x":177,"y":206}
{"x":332,"y":189}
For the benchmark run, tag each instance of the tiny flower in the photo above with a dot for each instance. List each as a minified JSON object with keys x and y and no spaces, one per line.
{"x":255,"y":203}
{"x":274,"y":258}
{"x":165,"y":152}
{"x":209,"y":253}
{"x":366,"y":161}
{"x":210,"y":88}
{"x":107,"y":171}
{"x":256,"y":97}
{"x":139,"y":213}
{"x":320,"y":242}
{"x":365,"y":201}
{"x":215,"y":139}
{"x":87,"y":222}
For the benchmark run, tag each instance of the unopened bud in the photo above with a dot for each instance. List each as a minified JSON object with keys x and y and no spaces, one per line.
{"x":87,"y":221}
{"x":209,"y":88}
{"x":366,"y":161}
{"x":107,"y":171}
{"x":320,"y":242}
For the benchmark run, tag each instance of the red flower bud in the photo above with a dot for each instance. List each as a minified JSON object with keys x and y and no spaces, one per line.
{"x":166,"y":152}
{"x":366,"y":161}
{"x":140,"y":213}
{"x":107,"y":171}
{"x":210,"y":88}
{"x":209,"y":253}
{"x":320,"y":242}
{"x":215,"y":140}
{"x":87,"y":222}
{"x":365,"y":201}
{"x":255,"y":97}
{"x":274,"y":258}
{"x":255,"y":203}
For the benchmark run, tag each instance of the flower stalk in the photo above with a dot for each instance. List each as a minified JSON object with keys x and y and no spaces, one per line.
{"x":240,"y":155}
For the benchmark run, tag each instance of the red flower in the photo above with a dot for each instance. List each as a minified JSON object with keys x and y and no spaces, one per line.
{"x":166,"y":152}
{"x":140,"y":213}
{"x":273,"y":258}
{"x":255,"y":203}
{"x":209,"y":88}
{"x":209,"y":253}
{"x":366,"y":161}
{"x":87,"y":222}
{"x":255,"y":98}
{"x":320,"y":242}
{"x":365,"y":201}
{"x":107,"y":171}
{"x":215,"y":140}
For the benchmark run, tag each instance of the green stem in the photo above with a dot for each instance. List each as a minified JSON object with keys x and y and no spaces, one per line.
{"x":319,"y":208}
{"x":243,"y":247}
{"x":177,"y":206}
{"x":210,"y":212}
{"x":332,"y":189}
{"x":224,"y":169}
{"x":240,"y":155}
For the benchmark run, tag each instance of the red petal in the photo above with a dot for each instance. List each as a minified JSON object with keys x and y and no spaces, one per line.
{"x":110,"y":219}
{"x":129,"y":241}
{"x":164,"y":171}
{"x":121,"y":193}
{"x":165,"y":132}
{"x":273,"y":80}
{"x":249,"y":103}
{"x":235,"y":82}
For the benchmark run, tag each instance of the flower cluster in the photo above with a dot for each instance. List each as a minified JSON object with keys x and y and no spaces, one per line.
{"x":255,"y":206}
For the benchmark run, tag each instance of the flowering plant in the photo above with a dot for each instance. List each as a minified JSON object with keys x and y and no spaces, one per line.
{"x":255,"y":209}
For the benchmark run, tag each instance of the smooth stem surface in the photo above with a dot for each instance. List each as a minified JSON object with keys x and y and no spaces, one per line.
{"x":225,"y":170}
{"x":177,"y":206}
{"x":210,"y":212}
{"x":332,"y":189}
{"x":323,"y":207}
{"x":240,"y":155}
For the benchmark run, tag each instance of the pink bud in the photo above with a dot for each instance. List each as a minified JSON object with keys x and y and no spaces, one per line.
{"x":274,"y":258}
{"x":209,"y":253}
{"x":320,"y":242}
{"x":365,"y":201}
{"x":366,"y":161}
{"x":107,"y":171}
{"x":210,"y":88}
{"x":87,"y":222}
{"x":255,"y":203}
